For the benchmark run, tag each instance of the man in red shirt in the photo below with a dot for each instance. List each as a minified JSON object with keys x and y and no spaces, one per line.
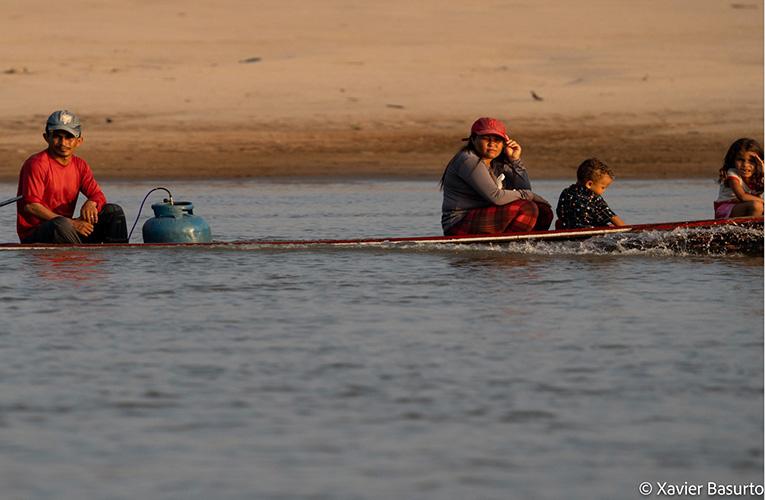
{"x":50,"y":183}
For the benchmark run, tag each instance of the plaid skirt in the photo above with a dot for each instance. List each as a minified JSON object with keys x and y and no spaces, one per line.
{"x":544,"y":218}
{"x":516,"y":217}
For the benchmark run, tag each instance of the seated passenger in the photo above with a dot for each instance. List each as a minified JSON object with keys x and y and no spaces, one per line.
{"x":486,"y":187}
{"x":50,"y":183}
{"x":740,"y":181}
{"x":582,"y":204}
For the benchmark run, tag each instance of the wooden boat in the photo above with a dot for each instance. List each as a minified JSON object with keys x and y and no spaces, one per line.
{"x":744,"y":235}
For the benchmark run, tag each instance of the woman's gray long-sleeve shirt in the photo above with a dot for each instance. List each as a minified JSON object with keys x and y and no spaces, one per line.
{"x":469,"y":183}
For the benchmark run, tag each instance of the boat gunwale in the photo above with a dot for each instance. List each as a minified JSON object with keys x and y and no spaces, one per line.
{"x":559,"y":234}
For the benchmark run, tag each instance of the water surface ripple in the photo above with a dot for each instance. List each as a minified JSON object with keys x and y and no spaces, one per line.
{"x":448,"y":373}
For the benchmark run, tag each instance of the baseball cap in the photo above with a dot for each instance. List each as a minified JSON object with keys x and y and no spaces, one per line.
{"x":64,"y":120}
{"x":489,"y":126}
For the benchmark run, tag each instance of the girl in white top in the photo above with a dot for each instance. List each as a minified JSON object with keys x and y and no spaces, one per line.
{"x":741,"y":181}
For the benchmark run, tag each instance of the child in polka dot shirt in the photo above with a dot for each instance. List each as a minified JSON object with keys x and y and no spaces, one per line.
{"x":582,"y":204}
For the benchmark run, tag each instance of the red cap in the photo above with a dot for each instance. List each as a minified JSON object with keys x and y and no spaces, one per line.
{"x":489,"y":126}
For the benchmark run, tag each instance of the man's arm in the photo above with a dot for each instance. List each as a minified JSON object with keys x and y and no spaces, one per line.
{"x":44,"y":213}
{"x":91,"y":189}
{"x":40,"y":211}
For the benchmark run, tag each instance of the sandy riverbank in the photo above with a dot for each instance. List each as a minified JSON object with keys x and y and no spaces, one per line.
{"x":192,"y":89}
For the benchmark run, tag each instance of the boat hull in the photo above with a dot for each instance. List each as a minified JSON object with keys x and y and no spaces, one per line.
{"x":488,"y":239}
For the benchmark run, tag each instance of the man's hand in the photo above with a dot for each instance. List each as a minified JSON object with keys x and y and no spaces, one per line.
{"x":82,"y":227}
{"x":89,"y":212}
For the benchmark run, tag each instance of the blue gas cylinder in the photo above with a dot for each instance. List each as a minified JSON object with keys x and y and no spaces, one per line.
{"x":175,"y":222}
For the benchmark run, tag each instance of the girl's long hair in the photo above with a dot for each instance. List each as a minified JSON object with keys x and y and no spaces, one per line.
{"x":741,"y":146}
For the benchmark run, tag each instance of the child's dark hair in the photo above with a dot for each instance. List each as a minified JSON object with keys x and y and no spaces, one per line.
{"x":592,"y":169}
{"x":740,"y":146}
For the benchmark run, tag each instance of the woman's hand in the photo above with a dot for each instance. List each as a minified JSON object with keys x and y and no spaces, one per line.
{"x":513,"y":150}
{"x":539,"y":199}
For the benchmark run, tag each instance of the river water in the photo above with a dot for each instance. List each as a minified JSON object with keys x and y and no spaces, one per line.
{"x":420,"y":373}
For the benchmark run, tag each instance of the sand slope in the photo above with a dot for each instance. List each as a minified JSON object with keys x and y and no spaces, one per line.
{"x":244,"y":88}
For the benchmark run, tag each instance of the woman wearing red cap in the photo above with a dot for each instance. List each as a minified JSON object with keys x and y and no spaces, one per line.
{"x":486,"y":187}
